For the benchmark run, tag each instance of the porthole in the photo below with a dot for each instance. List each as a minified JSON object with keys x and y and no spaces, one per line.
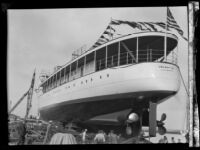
{"x":107,"y":75}
{"x":100,"y":77}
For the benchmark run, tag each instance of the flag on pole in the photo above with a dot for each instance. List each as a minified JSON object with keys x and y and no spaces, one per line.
{"x":171,"y":23}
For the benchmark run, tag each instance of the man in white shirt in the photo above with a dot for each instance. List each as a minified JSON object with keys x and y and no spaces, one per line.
{"x":84,"y":134}
{"x":99,"y":138}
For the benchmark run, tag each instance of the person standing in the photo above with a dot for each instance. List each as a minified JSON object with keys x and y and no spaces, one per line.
{"x":99,"y":138}
{"x":112,"y":138}
{"x":84,"y":134}
{"x":165,"y":140}
{"x":172,"y":139}
{"x":179,"y":141}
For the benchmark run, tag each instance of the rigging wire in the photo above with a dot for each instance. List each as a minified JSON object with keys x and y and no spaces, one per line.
{"x":186,"y":114}
{"x":184,"y":83}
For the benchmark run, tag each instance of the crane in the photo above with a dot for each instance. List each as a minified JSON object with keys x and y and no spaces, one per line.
{"x":29,"y":95}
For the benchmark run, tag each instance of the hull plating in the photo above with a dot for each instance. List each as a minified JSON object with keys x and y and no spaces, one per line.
{"x":110,"y":90}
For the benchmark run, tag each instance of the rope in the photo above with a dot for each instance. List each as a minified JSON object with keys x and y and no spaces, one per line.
{"x":185,"y":118}
{"x":184,"y":83}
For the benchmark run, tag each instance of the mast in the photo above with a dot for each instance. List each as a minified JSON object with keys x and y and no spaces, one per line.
{"x":165,"y":40}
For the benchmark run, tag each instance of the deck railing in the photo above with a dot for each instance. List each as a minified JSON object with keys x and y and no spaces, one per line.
{"x":144,"y":55}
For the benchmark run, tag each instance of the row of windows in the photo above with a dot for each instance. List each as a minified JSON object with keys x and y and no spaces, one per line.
{"x":86,"y":81}
{"x":95,"y":61}
{"x":116,"y":54}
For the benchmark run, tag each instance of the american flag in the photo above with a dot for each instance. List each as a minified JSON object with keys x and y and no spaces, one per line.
{"x":171,"y":23}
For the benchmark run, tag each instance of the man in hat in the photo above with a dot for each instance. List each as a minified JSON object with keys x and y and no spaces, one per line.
{"x":112,"y":138}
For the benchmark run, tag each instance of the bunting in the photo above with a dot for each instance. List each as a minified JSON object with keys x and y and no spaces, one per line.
{"x":108,"y":33}
{"x":143,"y":26}
{"x":153,"y":26}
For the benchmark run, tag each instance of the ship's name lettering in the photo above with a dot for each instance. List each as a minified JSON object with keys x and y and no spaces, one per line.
{"x":165,"y":67}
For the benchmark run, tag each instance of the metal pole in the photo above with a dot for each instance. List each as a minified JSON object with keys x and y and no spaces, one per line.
{"x":147,"y":55}
{"x":165,"y":40}
{"x":100,"y":64}
{"x":137,"y":51}
{"x":119,"y":54}
{"x":70,"y":66}
{"x":127,"y":58}
{"x":106,"y":57}
{"x":76,"y":69}
{"x":60,"y":77}
{"x":94,"y":60}
{"x":112,"y":61}
{"x":194,"y":118}
{"x":65,"y":75}
{"x":190,"y":72}
{"x":84,"y":65}
{"x":150,"y":55}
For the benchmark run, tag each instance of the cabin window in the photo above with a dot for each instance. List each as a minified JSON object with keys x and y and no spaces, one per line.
{"x":80,"y":67}
{"x":62,"y":76}
{"x":54,"y":81}
{"x":73,"y":71}
{"x":51,"y":82}
{"x":48,"y":83}
{"x":67,"y":70}
{"x":112,"y":55}
{"x":128,"y":51}
{"x":58,"y":78}
{"x":89,"y":64}
{"x":107,"y":75}
{"x":101,"y":59}
{"x":150,"y":48}
{"x":44,"y":87}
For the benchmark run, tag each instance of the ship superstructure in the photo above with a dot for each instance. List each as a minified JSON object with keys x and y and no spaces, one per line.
{"x":117,"y":75}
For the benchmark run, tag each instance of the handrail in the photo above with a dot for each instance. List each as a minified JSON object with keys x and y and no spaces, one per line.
{"x":125,"y":58}
{"x":147,"y":55}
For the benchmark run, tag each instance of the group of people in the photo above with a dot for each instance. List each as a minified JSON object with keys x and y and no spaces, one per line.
{"x":101,"y":137}
{"x":165,"y":140}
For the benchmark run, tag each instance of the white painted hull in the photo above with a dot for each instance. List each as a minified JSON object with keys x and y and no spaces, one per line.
{"x":113,"y":82}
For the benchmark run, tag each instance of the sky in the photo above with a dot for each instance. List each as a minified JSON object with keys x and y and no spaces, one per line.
{"x":44,"y":38}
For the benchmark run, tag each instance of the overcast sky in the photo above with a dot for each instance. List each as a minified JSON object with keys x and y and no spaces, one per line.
{"x":44,"y":38}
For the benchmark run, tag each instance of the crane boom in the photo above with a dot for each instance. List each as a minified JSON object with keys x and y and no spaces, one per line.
{"x":29,"y":99}
{"x":20,"y":100}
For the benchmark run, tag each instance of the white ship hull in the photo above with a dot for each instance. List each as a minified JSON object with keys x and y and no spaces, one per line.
{"x":109,"y":90}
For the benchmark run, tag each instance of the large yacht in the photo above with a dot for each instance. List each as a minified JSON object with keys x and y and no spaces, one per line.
{"x":125,"y":72}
